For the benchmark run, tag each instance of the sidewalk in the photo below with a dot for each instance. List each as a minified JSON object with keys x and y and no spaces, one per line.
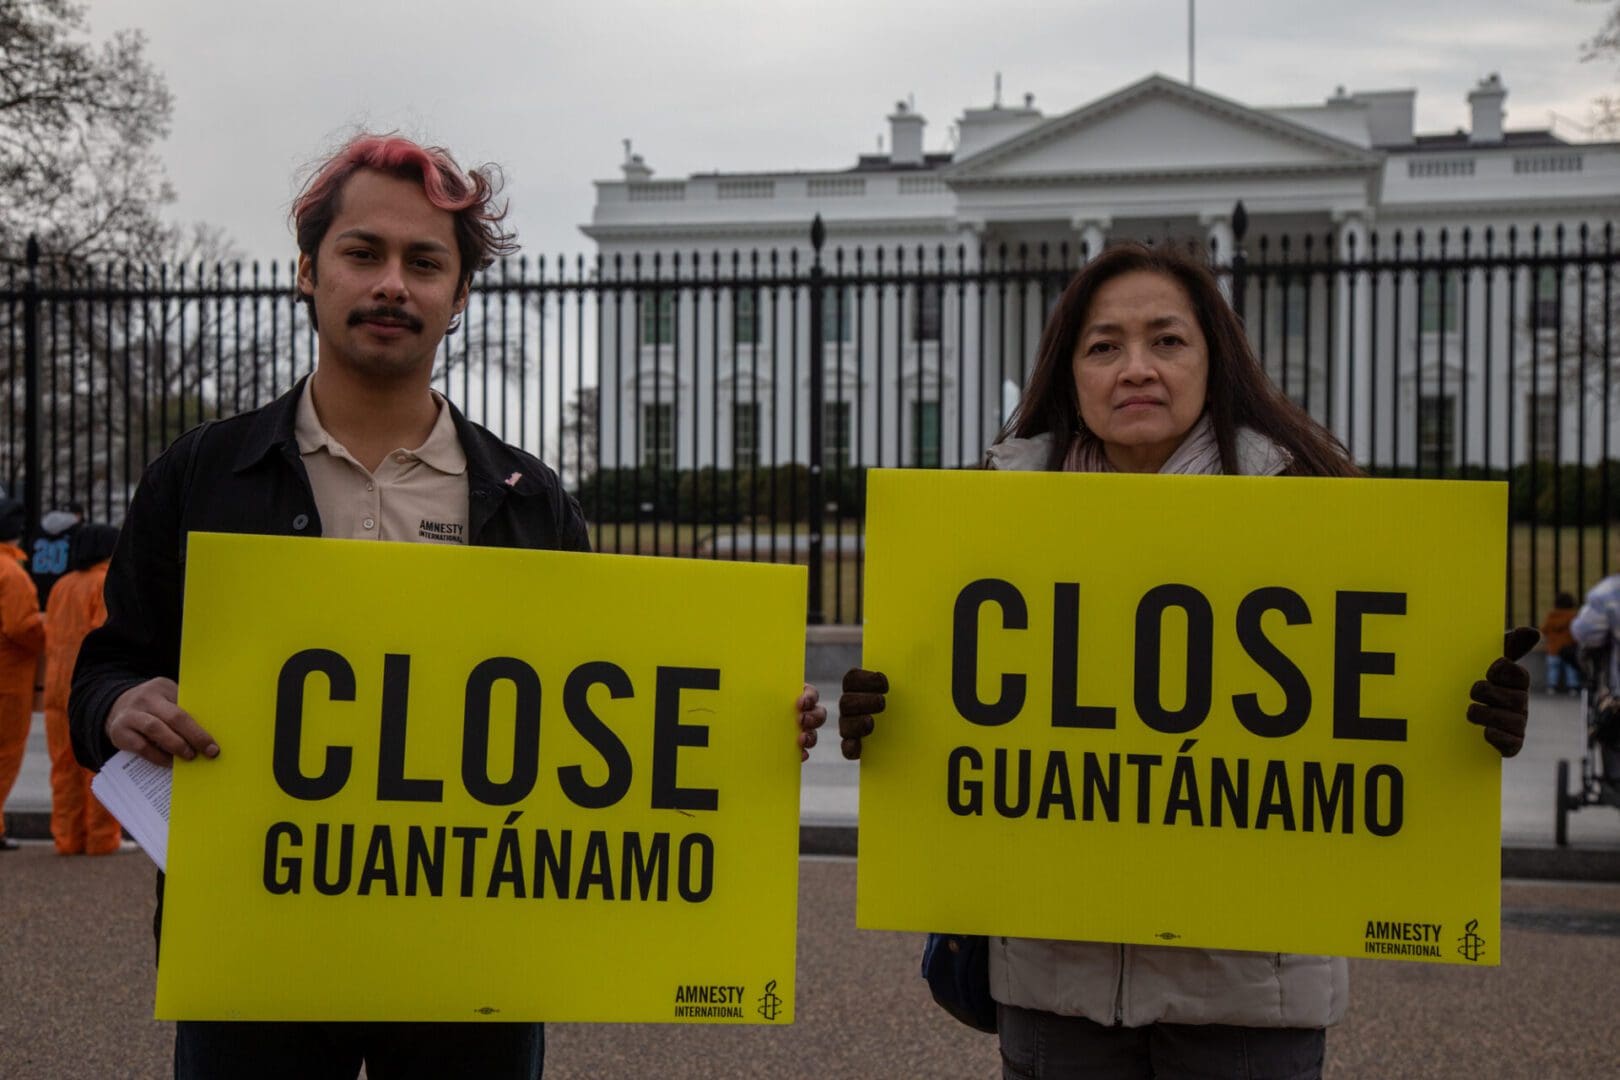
{"x":829,"y":799}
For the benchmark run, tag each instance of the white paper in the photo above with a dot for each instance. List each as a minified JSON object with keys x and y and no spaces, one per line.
{"x":136,"y":792}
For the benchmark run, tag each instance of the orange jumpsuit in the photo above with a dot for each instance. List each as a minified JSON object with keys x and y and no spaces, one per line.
{"x":79,"y":823}
{"x":22,"y":636}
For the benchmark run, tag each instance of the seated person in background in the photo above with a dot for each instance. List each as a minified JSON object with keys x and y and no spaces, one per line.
{"x":1597,"y":626}
{"x":1562,"y":670}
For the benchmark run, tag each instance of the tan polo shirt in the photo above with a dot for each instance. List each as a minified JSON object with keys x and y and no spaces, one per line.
{"x":417,"y":495}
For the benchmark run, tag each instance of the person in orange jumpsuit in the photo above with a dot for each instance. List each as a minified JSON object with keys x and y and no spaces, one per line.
{"x":22,"y":636}
{"x":80,"y":825}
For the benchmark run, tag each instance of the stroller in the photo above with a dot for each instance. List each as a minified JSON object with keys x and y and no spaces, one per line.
{"x":1600,"y":766}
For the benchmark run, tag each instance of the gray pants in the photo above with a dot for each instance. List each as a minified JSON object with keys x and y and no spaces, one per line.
{"x":1044,"y":1046}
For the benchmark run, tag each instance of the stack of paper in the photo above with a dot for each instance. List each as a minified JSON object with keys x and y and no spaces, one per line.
{"x":136,"y":792}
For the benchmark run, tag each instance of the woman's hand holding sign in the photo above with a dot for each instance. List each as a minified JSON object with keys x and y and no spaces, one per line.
{"x":1501,"y":700}
{"x":861,"y":700}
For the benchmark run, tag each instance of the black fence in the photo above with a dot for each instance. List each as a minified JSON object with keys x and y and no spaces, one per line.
{"x":728,"y":405}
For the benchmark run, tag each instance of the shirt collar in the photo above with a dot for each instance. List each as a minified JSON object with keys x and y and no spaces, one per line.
{"x":441,"y":451}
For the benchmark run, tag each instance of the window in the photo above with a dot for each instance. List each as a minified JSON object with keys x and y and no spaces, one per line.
{"x":1296,"y":301}
{"x":1541,"y":416}
{"x":744,"y":435}
{"x":835,"y":434}
{"x":1544,"y":299}
{"x":925,"y":434}
{"x":925,"y":313}
{"x":745,"y":316}
{"x":658,"y":436}
{"x":658,"y":318}
{"x":1437,"y":416}
{"x":1437,"y":306}
{"x":837,"y":315}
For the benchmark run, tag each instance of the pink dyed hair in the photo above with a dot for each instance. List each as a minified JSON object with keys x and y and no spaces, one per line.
{"x":468,"y":196}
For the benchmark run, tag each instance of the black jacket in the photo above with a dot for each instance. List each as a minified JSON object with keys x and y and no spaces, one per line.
{"x":245,"y":475}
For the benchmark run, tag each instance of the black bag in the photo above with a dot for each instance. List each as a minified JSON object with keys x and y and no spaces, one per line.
{"x":1606,"y":721}
{"x":957,"y":967}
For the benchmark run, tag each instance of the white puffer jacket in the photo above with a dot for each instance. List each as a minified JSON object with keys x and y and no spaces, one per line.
{"x":1135,"y":985}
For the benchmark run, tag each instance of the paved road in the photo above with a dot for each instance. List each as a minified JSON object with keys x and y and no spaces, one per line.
{"x":76,"y":984}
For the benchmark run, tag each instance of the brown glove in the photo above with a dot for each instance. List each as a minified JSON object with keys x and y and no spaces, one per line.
{"x":861,"y":700}
{"x":1501,"y":700}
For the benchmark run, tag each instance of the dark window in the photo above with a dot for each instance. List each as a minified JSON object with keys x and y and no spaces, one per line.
{"x":745,"y":434}
{"x":835,"y":434}
{"x":746,"y":327}
{"x":837,"y":315}
{"x":1437,"y":416}
{"x":658,"y":318}
{"x":658,"y":436}
{"x":1438,"y":306}
{"x":1544,"y":299}
{"x":925,"y":434}
{"x":925,"y":313}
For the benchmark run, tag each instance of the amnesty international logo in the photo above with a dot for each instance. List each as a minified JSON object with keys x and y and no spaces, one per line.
{"x":1471,"y":945}
{"x":770,"y":1006}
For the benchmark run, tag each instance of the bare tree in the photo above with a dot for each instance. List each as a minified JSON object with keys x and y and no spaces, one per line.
{"x":1605,"y":45}
{"x":79,"y":127}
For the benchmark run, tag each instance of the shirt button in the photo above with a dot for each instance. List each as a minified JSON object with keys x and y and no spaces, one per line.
{"x":402,"y":457}
{"x":371,"y":486}
{"x":369,"y":523}
{"x":300,"y":521}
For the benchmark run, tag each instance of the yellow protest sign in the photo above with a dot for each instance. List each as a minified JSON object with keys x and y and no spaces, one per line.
{"x":1224,"y":712}
{"x":481,"y":784}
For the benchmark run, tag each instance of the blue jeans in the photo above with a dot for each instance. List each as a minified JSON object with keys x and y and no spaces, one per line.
{"x":236,"y":1050}
{"x":1561,"y":675}
{"x":1044,"y":1046}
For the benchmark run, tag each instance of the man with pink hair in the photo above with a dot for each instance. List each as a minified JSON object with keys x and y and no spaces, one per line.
{"x":390,"y":234}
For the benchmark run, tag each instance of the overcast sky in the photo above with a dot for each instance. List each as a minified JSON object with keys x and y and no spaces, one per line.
{"x":549,"y":89}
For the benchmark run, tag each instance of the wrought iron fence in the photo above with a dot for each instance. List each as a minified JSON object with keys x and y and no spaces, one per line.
{"x":728,"y":405}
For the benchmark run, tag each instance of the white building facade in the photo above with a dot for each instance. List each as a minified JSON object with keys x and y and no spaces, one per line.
{"x":1445,"y":356}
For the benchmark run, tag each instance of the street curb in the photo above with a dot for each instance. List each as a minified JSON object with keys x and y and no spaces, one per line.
{"x":1550,"y":863}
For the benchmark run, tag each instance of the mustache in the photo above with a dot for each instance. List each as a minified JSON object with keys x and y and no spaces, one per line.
{"x":390,"y":314}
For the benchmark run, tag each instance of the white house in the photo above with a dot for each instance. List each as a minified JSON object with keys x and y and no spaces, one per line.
{"x":1401,"y":364}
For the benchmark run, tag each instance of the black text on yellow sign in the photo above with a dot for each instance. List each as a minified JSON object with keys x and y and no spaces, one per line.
{"x":1327,"y":794}
{"x":484,"y":785}
{"x":1213,"y":711}
{"x":418,"y":856}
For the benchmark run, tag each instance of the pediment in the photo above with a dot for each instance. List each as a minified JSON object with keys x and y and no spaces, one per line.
{"x":1159,"y":126}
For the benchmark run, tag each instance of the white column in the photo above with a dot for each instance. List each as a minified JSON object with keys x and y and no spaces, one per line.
{"x":1093,"y":234}
{"x":980,"y":424}
{"x":1220,"y":245}
{"x":1352,"y":351}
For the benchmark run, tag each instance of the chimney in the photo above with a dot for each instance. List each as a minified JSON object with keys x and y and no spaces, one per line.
{"x":1486,"y":102}
{"x":905,"y":135}
{"x":635,"y":169}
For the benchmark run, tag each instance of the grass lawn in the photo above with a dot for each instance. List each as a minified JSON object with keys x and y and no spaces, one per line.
{"x":1542,"y":563}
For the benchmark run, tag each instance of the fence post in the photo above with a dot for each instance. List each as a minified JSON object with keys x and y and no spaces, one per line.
{"x":1240,"y":261}
{"x":818,"y":499}
{"x":32,"y":487}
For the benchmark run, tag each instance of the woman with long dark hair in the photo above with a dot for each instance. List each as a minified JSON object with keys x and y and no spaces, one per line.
{"x":1145,"y":368}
